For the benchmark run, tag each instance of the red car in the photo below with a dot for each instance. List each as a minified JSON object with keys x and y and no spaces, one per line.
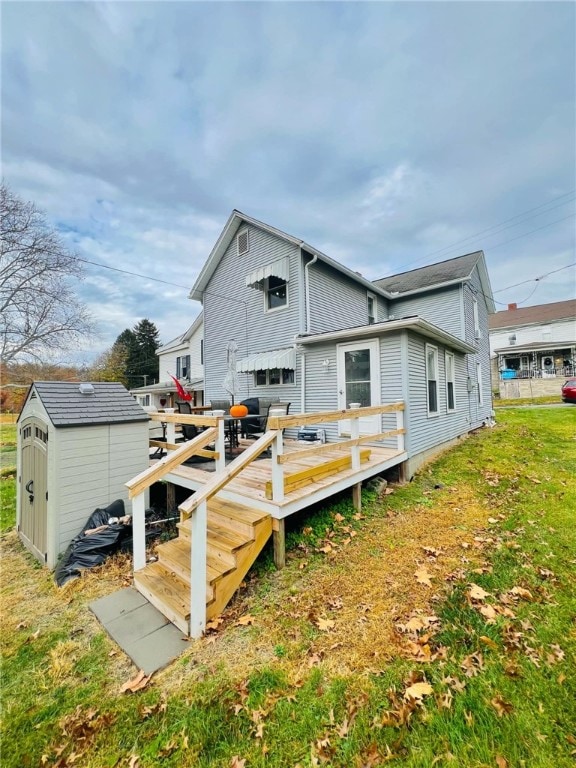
{"x":569,"y":391}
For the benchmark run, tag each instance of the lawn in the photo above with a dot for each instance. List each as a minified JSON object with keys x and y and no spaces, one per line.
{"x":435,"y":628}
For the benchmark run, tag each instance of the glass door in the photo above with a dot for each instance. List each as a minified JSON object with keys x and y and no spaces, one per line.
{"x":359,"y":382}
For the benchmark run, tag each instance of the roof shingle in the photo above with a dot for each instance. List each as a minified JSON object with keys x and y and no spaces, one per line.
{"x":540,"y":313}
{"x":110,"y":403}
{"x":435,"y":274}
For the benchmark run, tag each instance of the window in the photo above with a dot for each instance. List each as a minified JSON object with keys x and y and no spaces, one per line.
{"x":144,"y":400}
{"x":183,"y":367}
{"x":371,"y":302}
{"x":512,"y":339}
{"x":432,"y":378}
{"x":477,"y":333}
{"x":243,"y":243}
{"x":450,"y":381}
{"x":201,"y":351}
{"x":274,"y":377}
{"x":479,"y":380}
{"x":276,"y":293}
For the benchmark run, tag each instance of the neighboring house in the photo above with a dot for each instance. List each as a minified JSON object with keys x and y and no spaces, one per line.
{"x":534,"y":342}
{"x":317,"y":334}
{"x":182,"y":357}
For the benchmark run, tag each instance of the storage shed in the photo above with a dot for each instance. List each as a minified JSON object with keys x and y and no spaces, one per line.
{"x":78,"y":444}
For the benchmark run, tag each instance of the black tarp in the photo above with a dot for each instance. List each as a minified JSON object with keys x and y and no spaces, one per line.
{"x":86,"y":550}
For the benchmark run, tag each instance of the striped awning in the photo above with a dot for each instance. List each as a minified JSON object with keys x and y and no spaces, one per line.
{"x":280,"y":269}
{"x":265,"y":361}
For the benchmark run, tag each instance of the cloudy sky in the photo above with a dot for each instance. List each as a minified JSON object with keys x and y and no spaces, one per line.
{"x":387,"y":134}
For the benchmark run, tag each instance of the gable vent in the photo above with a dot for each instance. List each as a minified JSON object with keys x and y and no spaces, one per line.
{"x":243,"y":243}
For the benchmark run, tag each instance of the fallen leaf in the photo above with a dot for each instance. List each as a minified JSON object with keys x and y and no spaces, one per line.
{"x":423,"y":577}
{"x":488,"y":612}
{"x":501,"y":762}
{"x":237,"y":762}
{"x":524,"y":594}
{"x":243,"y":621}
{"x":489,"y":642}
{"x":502,"y":707}
{"x":325,"y":624}
{"x":137,"y":683}
{"x":477,"y":593}
{"x":418,"y":691}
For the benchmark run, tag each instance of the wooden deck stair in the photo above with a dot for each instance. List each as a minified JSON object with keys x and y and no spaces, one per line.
{"x":236,"y":535}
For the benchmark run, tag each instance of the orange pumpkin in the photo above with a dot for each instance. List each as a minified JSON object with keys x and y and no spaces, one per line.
{"x":238,"y":411}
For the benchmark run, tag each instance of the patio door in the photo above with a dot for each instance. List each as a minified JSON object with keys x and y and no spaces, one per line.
{"x":359,"y":382}
{"x":34,"y":486}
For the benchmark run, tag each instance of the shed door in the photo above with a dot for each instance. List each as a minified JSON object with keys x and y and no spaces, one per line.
{"x":359,"y":382}
{"x":34,"y":486}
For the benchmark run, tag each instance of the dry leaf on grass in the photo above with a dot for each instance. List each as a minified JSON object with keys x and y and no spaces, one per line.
{"x":137,"y":683}
{"x":477,"y":593}
{"x":501,"y":762}
{"x":423,"y":577}
{"x":325,"y":624}
{"x":237,"y":762}
{"x":502,"y":707}
{"x":245,"y":620}
{"x":418,"y":691}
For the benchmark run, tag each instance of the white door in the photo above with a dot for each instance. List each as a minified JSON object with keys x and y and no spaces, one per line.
{"x":359,"y":382}
{"x":34,"y":487}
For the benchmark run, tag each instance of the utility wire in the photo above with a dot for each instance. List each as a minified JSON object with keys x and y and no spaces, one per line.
{"x":537,"y":278}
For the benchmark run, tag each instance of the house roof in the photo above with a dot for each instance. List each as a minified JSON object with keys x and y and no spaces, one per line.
{"x":169,"y":386}
{"x":424,"y":278}
{"x":183,"y":338}
{"x":414,"y":323}
{"x":457,"y":269}
{"x":540,"y":313}
{"x":67,"y":406}
{"x":236,"y":219}
{"x":534,"y":346}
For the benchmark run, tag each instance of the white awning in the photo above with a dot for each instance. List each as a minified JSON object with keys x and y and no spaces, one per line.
{"x":280,"y":269}
{"x":265,"y":361}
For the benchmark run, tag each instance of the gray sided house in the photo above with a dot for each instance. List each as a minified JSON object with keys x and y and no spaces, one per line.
{"x":314,"y":333}
{"x":77,"y":445}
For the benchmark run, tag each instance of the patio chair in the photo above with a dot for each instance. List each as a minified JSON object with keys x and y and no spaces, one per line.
{"x":220,"y":405}
{"x":183,"y":406}
{"x":271,"y":406}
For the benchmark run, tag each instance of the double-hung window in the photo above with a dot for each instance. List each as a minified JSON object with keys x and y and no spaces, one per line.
{"x":276,"y":293}
{"x":432,"y":378}
{"x":450,"y":382}
{"x":479,"y":380}
{"x":371,"y":305}
{"x":183,"y":367}
{"x":477,"y":333}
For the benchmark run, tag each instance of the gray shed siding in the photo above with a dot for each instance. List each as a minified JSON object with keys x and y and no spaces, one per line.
{"x":442,"y":307}
{"x":94,"y":463}
{"x":233,"y":311}
{"x":336,"y":301}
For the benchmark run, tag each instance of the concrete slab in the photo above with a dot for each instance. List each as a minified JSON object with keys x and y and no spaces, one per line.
{"x":141,"y":631}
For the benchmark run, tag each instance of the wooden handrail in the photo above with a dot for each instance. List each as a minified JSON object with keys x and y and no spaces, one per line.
{"x":151,"y":475}
{"x":297,"y":420}
{"x":222,"y":478}
{"x":326,"y":447}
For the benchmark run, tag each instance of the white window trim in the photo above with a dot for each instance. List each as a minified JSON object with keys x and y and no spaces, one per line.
{"x":374,"y":305}
{"x":479,"y":383}
{"x":450,"y":355}
{"x":282,"y":383}
{"x":432,"y":414}
{"x":267,"y":310}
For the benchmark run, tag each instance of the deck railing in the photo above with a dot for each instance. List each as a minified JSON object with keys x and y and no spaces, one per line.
{"x":196,"y":506}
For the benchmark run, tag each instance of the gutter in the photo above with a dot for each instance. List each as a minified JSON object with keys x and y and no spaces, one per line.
{"x":410,"y":323}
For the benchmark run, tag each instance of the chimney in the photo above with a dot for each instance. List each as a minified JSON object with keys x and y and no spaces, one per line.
{"x":513,"y":306}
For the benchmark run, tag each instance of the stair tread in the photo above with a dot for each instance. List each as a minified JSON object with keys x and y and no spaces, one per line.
{"x":179,"y":550}
{"x":224,"y":538}
{"x":169,"y":587}
{"x":236,"y":511}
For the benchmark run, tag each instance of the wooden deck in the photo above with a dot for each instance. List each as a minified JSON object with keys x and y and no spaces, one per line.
{"x":250,"y":484}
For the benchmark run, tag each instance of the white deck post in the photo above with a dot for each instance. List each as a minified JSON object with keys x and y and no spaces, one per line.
{"x":400,"y":425}
{"x":198,"y":534}
{"x":170,"y":434}
{"x":220,"y":447}
{"x":138,"y":532}
{"x":277,"y":469}
{"x":355,"y":449}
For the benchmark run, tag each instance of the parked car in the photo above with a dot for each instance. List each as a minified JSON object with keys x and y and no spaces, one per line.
{"x":569,"y":391}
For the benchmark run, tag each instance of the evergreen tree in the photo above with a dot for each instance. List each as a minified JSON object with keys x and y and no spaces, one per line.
{"x":146,"y":336}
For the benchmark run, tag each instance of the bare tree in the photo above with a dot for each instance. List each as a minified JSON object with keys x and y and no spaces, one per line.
{"x":39,"y":310}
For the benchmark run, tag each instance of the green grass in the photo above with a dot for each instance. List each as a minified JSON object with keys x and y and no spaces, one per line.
{"x":518,"y":402}
{"x":286,"y":714}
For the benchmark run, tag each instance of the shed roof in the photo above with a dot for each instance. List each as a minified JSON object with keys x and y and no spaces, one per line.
{"x":66,"y":406}
{"x":540,"y":313}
